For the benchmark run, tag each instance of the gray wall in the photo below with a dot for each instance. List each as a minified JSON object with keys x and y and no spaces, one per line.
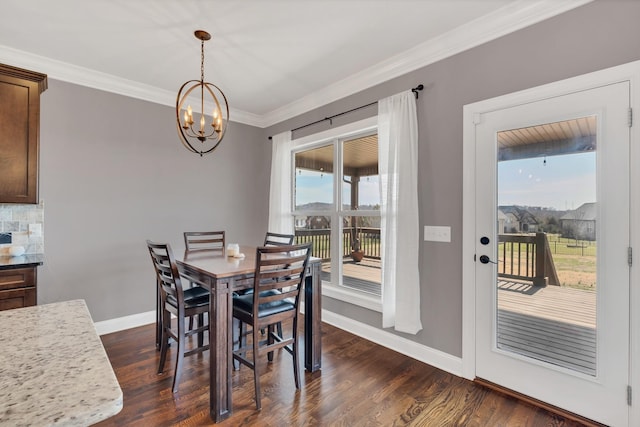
{"x":113,"y":174}
{"x":596,"y":36}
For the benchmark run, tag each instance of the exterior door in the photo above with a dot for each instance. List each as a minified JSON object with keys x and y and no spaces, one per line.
{"x":551,"y":244}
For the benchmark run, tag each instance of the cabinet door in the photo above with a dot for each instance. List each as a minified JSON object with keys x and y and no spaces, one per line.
{"x":19,"y":134}
{"x":18,"y":287}
{"x":17,"y":298}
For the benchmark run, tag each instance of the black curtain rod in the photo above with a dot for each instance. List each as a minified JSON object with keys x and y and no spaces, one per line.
{"x":415,"y":91}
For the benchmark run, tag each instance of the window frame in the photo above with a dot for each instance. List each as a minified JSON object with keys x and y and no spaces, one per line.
{"x":336,"y":137}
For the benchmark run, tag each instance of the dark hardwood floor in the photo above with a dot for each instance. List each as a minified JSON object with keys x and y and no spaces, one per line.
{"x":361,"y":384}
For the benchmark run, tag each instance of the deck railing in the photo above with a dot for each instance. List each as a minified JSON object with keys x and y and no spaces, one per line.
{"x":520,"y":256}
{"x":321,"y":239}
{"x":369,"y":239}
{"x":526,"y":257}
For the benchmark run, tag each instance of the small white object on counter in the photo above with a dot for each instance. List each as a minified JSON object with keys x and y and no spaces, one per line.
{"x":16,"y":250}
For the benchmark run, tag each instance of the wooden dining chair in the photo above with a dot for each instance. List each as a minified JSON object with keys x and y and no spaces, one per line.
{"x":195,"y":241}
{"x":182,"y":303}
{"x":278,"y":278}
{"x":203,"y":240}
{"x":277,"y":239}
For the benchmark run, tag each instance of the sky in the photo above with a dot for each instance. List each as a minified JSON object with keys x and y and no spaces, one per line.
{"x":565,"y":182}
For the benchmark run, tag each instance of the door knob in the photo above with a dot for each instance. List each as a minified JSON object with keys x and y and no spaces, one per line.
{"x":486,"y":260}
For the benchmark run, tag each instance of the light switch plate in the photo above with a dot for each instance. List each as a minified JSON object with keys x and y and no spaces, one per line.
{"x":437,"y":234}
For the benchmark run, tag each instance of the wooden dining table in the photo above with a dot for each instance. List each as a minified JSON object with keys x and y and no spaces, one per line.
{"x":223,"y":275}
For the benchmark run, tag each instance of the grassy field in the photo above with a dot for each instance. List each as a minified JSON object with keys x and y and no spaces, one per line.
{"x":576,"y":271}
{"x":564,"y":246}
{"x":575,"y":260}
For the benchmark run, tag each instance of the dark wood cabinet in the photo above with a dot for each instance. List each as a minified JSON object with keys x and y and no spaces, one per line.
{"x":18,"y":287}
{"x":19,"y":133}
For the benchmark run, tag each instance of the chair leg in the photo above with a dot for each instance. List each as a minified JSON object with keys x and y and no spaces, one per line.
{"x":279,"y":329}
{"x":256,"y":372}
{"x":159,"y":325}
{"x":243,"y":334}
{"x":180,"y":350}
{"x":200,"y":334}
{"x":191,"y":285}
{"x":269,"y":342}
{"x":237,"y":343}
{"x":165,"y":321}
{"x":294,"y":346}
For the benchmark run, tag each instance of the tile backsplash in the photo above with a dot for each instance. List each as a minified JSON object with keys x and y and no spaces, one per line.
{"x":26,"y":225}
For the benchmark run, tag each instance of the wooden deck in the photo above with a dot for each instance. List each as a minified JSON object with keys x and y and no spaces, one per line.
{"x":364,"y":276}
{"x":552,"y":324}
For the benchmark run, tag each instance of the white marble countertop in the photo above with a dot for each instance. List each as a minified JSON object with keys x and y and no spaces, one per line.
{"x":53,"y":368}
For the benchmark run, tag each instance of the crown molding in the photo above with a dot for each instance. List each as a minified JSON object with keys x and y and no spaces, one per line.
{"x":513,"y":17}
{"x":508,"y":19}
{"x":82,"y":76}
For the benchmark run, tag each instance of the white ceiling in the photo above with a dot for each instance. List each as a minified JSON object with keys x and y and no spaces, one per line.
{"x":273,"y":58}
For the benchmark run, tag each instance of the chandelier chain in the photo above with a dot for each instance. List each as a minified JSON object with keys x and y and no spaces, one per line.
{"x":202,"y":60}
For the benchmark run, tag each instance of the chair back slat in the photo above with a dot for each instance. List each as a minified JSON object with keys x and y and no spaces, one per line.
{"x":280,"y":273}
{"x":278,"y":260}
{"x":166,"y":271}
{"x":277,"y":239}
{"x":290,"y":294}
{"x":272,"y":284}
{"x":204,"y":240}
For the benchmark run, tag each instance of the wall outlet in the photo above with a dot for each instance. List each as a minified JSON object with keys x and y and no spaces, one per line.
{"x":437,"y":234}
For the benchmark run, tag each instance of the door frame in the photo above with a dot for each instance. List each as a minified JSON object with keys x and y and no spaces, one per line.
{"x":471,"y":115}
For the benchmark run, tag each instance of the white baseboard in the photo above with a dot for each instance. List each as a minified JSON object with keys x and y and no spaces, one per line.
{"x":126,"y":322}
{"x":428,"y":355}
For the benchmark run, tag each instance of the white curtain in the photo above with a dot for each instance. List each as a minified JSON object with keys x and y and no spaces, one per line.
{"x":400,"y":233}
{"x":280,"y":220}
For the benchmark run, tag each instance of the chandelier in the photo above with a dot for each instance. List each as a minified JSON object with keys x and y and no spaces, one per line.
{"x":207,"y":134}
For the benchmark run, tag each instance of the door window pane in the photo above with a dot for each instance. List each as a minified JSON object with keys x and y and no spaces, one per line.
{"x":546,"y":260}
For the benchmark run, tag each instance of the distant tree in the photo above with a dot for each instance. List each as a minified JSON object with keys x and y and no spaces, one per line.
{"x":551,"y":225}
{"x":569,"y":232}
